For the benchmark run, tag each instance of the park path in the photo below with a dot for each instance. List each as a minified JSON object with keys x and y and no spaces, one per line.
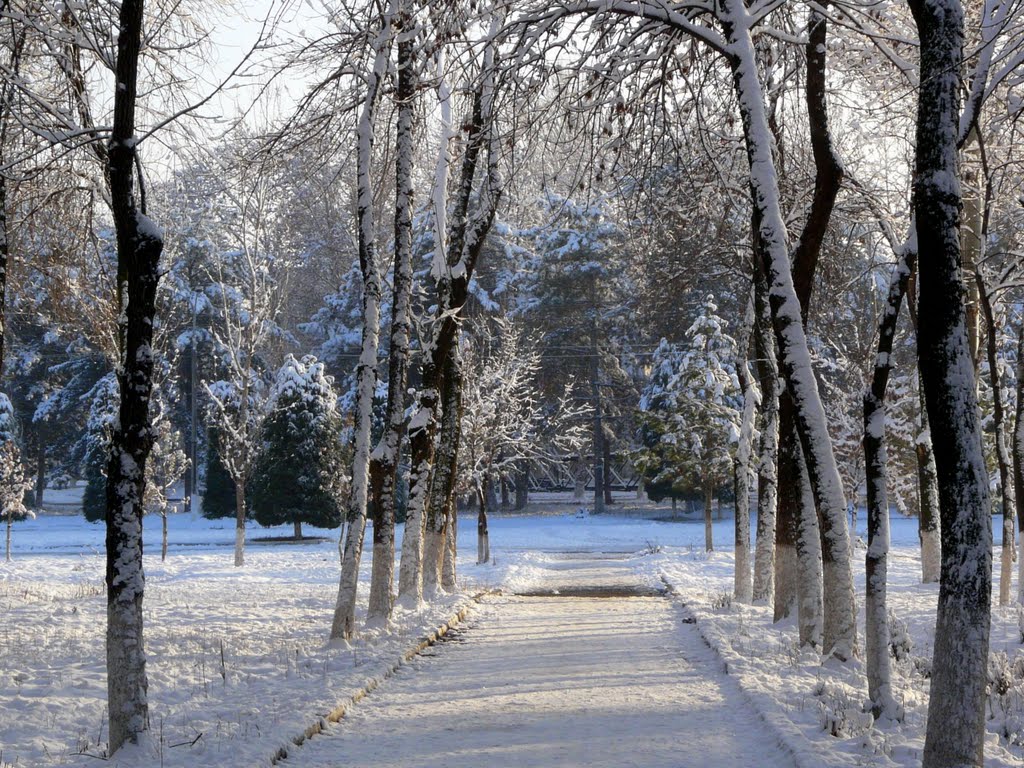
{"x":589,"y":669}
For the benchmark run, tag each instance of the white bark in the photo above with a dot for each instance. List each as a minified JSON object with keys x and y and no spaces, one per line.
{"x":351,"y":547}
{"x":840,"y":626}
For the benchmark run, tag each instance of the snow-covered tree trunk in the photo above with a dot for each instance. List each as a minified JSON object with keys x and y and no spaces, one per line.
{"x":929,"y":518}
{"x":451,"y":549}
{"x":598,"y":440}
{"x":483,"y":541}
{"x":743,"y":580}
{"x":787,"y":516}
{"x":1018,"y":462}
{"x":240,"y":483}
{"x":343,"y":622}
{"x":840,"y":626}
{"x":876,"y":474}
{"x":956,"y":709}
{"x":387,"y":452}
{"x":441,"y":507}
{"x":1003,"y":458}
{"x":465,"y":243}
{"x":810,"y":577}
{"x":139,"y":244}
{"x":768,"y":450}
{"x":163,"y":536}
{"x":709,"y":492}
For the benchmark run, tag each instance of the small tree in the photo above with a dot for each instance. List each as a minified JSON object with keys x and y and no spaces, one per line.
{"x":296,"y":476}
{"x":13,"y":483}
{"x":166,"y":466}
{"x":504,"y":421}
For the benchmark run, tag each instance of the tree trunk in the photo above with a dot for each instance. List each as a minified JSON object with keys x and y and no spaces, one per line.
{"x":1002,"y":449}
{"x":465,"y":244}
{"x":387,"y":453}
{"x":483,"y":546}
{"x":40,"y":472}
{"x":607,"y":467}
{"x":523,"y":487}
{"x":743,"y":577}
{"x":240,"y":522}
{"x":1018,"y":462}
{"x":297,"y":530}
{"x":929,"y":523}
{"x":840,"y":625}
{"x":163,"y":537}
{"x":139,"y":244}
{"x":709,"y":490}
{"x":876,"y":477}
{"x":956,"y":708}
{"x":7,"y":549}
{"x":451,"y":534}
{"x":351,"y":546}
{"x":597,"y":439}
{"x":768,"y":450}
{"x":441,"y":509}
{"x":809,"y":572}
{"x":787,"y":517}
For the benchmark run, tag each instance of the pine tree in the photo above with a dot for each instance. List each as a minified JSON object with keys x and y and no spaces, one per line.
{"x":295,"y":477}
{"x":103,"y":400}
{"x":219,"y":496}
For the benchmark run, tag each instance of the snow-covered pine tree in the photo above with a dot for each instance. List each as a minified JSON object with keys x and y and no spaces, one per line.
{"x":13,"y":482}
{"x":296,"y":476}
{"x":657,"y":460}
{"x":95,"y":444}
{"x":709,"y":415}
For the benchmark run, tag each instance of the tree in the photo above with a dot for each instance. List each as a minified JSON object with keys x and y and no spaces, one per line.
{"x":96,"y":444}
{"x":297,"y":474}
{"x":139,"y":243}
{"x":956,"y":706}
{"x":13,"y":483}
{"x":219,"y":495}
{"x":167,"y":462}
{"x":505,"y":421}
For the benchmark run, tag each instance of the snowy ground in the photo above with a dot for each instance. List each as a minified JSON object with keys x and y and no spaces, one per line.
{"x":277,"y":677}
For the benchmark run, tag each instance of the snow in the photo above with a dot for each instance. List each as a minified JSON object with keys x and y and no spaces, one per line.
{"x":548,"y":680}
{"x":272,"y":619}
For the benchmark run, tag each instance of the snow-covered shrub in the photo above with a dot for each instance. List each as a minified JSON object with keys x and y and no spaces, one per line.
{"x":722,"y":601}
{"x":1006,"y":697}
{"x":900,"y":644}
{"x":839,"y":716}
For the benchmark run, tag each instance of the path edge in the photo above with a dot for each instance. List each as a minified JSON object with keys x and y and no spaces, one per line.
{"x":372,"y":683}
{"x":785,"y":731}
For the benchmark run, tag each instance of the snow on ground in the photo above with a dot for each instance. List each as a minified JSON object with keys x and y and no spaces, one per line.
{"x":277,"y":676}
{"x":557,"y":681}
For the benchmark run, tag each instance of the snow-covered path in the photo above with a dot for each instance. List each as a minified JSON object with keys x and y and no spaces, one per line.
{"x":551,"y":680}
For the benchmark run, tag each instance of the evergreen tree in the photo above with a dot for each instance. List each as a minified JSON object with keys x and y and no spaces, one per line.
{"x":296,"y":474}
{"x":103,"y":399}
{"x":219,"y":496}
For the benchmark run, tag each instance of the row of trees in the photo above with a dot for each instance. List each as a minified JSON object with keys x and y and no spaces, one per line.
{"x":435,"y":131}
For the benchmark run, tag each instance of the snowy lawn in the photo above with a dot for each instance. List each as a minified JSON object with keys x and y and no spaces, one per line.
{"x":239,"y":655}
